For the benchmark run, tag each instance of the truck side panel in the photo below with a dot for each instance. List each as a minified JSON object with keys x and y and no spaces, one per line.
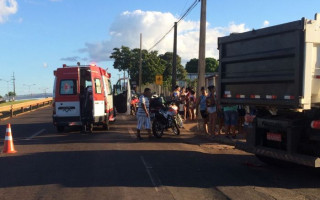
{"x":263,"y":67}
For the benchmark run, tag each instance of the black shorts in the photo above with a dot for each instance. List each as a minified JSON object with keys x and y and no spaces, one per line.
{"x":241,"y":112}
{"x":204,"y":114}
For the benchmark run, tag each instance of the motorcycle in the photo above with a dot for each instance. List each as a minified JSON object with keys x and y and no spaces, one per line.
{"x":165,"y":116}
{"x":134,"y":105}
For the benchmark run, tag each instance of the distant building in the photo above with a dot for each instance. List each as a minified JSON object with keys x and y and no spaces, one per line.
{"x":194,"y":76}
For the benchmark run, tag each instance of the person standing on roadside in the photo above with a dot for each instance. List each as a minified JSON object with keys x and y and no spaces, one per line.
{"x":176,"y":93}
{"x":201,"y":100}
{"x":212,"y":110}
{"x":182,"y":105}
{"x":143,"y":115}
{"x":187,"y":102}
{"x":192,"y":103}
{"x":230,"y":120}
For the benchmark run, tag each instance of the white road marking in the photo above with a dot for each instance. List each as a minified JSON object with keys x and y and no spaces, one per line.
{"x":148,"y":169}
{"x":36,"y":134}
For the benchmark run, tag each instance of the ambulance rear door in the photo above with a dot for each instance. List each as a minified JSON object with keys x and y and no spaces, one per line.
{"x":98,"y":94}
{"x":67,"y":102}
{"x":108,"y":96}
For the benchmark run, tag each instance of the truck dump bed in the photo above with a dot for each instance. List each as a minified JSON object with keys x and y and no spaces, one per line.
{"x":265,"y":66}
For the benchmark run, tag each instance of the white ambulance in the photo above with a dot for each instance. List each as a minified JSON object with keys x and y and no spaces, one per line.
{"x":82,"y":97}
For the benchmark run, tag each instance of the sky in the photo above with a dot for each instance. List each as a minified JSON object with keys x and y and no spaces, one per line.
{"x":38,"y":36}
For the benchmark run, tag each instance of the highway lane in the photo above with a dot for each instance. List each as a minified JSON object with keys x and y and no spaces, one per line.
{"x":114,"y":165}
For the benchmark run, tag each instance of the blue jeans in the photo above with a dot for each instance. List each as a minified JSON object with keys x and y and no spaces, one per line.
{"x":230,"y":118}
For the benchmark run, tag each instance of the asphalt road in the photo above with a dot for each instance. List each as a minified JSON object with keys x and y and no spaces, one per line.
{"x":114,"y":165}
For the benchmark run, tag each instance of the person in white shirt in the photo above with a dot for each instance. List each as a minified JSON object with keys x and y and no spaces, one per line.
{"x":143,"y":115}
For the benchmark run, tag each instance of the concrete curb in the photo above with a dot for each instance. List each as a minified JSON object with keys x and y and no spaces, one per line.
{"x":221,"y":139}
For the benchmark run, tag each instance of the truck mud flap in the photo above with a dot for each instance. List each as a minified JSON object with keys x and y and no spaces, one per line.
{"x":280,"y":155}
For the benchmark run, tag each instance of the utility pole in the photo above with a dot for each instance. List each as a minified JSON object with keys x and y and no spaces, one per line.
{"x":202,"y":48}
{"x":140,"y":65}
{"x":174,"y":61}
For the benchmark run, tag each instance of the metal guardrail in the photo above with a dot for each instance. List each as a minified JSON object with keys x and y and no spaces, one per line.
{"x":11,"y":110}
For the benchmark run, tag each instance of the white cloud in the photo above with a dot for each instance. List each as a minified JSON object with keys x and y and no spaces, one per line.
{"x":7,"y":7}
{"x":126,"y":30}
{"x":73,"y":59}
{"x":265,"y":23}
{"x":45,"y":65}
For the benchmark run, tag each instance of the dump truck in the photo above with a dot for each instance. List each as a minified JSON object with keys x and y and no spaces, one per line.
{"x":276,"y":71}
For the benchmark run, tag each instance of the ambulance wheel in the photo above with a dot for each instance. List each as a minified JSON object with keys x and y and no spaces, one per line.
{"x":114,"y":113}
{"x":106,"y":126}
{"x":60,"y":129}
{"x":90,"y":127}
{"x":83,"y":129}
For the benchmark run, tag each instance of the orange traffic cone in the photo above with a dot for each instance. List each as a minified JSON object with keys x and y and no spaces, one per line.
{"x":8,"y":141}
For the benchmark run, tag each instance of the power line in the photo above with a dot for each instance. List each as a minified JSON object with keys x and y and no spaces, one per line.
{"x":193,"y":5}
{"x":184,"y":7}
{"x":161,"y":38}
{"x":189,"y":9}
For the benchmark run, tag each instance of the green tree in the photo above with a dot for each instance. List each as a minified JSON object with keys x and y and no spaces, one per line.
{"x":211,"y":65}
{"x":151,"y":66}
{"x":128,"y":60}
{"x":122,"y":58}
{"x":192,"y":66}
{"x":11,"y":94}
{"x":168,"y":59}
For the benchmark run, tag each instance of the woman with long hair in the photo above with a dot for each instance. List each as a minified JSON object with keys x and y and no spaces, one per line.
{"x":212,"y":110}
{"x":201,"y":100}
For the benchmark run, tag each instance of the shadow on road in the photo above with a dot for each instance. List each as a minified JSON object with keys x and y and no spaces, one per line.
{"x":125,"y":168}
{"x":118,"y":130}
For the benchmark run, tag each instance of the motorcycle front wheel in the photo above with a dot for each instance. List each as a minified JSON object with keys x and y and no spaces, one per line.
{"x":175,"y":128}
{"x":157,"y":129}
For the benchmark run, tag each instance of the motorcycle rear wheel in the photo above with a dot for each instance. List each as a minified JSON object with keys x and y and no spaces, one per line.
{"x":157,"y":129}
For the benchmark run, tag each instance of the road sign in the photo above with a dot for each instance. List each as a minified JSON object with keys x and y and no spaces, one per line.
{"x":159,"y":79}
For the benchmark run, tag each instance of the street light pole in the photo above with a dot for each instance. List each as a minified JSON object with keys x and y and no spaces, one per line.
{"x":29,"y":86}
{"x":14,"y":84}
{"x":45,"y":91}
{"x":7,"y":85}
